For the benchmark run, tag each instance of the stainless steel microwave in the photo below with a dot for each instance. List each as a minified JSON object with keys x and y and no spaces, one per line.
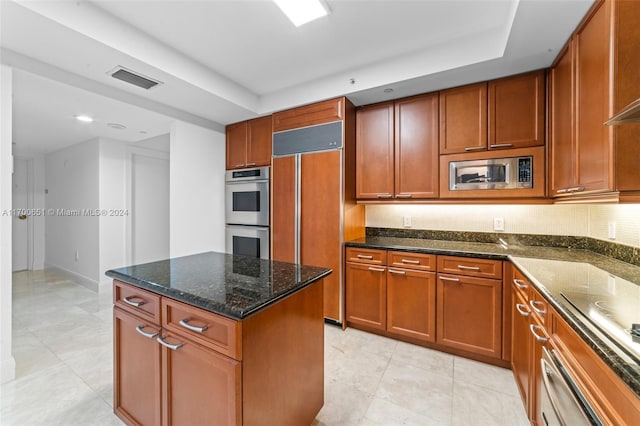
{"x":491,"y":173}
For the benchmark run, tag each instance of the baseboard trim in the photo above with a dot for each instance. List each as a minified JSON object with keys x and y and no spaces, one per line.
{"x":74,"y":276}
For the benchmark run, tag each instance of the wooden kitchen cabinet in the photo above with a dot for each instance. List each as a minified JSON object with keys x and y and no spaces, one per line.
{"x":137,"y":369}
{"x":411,"y":302}
{"x":592,"y":78}
{"x":521,"y":345}
{"x":397,"y":149}
{"x":469,"y":309}
{"x":463,"y":119}
{"x":249,"y":143}
{"x":311,"y":115}
{"x":366,"y":301}
{"x":193,"y":374}
{"x":517,"y":111}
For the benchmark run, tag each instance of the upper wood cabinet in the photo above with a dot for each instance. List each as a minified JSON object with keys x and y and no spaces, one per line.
{"x":463,"y":119}
{"x":397,"y":149}
{"x":310,"y":115}
{"x":516,"y":111}
{"x":593,"y":77}
{"x":249,"y":143}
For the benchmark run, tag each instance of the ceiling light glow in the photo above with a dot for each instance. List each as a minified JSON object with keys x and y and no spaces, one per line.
{"x":84,"y":118}
{"x":302,"y":11}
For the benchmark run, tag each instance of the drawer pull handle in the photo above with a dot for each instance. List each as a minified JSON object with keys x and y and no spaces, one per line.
{"x":474,"y":148}
{"x":175,"y":347}
{"x":520,"y":284}
{"x":364,"y":256}
{"x":576,"y":189}
{"x":404,"y":195}
{"x":140,"y":329}
{"x":413,"y":262}
{"x":371,"y":268}
{"x":128,"y":301}
{"x":385,"y":196}
{"x":522,"y":309}
{"x":469,"y":268}
{"x":501,"y":145}
{"x":539,"y":338}
{"x":185,"y":324}
{"x":397,"y":272}
{"x":251,"y":164}
{"x":449,"y":279}
{"x":239,"y":165}
{"x":538,"y":310}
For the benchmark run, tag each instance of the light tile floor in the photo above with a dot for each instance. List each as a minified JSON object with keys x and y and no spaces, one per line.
{"x":62,"y":344}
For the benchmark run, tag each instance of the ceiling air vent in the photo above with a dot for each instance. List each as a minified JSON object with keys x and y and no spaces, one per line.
{"x":124,"y":74}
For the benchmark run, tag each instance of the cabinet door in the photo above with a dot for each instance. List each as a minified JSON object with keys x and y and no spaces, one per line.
{"x":538,"y":337}
{"x":374,"y":152}
{"x":259,"y":142}
{"x":416,"y":147}
{"x":136,"y":392}
{"x":236,"y":145}
{"x":516,"y":111}
{"x":463,"y":119}
{"x":283,"y":209}
{"x":366,"y":295}
{"x":199,"y":385}
{"x":411,"y":303}
{"x":593,"y":102}
{"x":520,"y":344}
{"x":469,"y":314}
{"x":561,"y":157}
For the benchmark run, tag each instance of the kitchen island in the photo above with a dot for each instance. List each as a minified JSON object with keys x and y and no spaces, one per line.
{"x":218,"y":339}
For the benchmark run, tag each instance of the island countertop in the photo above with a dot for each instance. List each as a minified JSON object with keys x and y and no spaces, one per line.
{"x":225,"y":284}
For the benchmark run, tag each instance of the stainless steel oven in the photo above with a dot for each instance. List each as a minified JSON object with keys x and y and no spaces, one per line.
{"x":247,"y":196}
{"x":561,"y":401}
{"x":245,"y":240}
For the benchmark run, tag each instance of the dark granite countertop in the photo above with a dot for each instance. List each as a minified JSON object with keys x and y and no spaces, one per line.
{"x":553,"y":271}
{"x":233,"y":286}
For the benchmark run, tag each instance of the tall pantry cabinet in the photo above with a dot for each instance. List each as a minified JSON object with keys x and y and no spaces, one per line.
{"x":313,"y":191}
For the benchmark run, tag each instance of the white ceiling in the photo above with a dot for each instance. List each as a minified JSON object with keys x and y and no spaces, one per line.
{"x":226,"y":61}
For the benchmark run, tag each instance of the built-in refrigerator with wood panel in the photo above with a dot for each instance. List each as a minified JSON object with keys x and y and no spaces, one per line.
{"x":313,"y":199}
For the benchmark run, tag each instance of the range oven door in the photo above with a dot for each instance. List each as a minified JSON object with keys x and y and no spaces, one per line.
{"x":562,"y":403}
{"x":246,"y":240}
{"x":247,"y":203}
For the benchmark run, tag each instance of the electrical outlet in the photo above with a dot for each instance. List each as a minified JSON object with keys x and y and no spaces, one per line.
{"x":406,"y":221}
{"x":611,"y":230}
{"x":498,"y":224}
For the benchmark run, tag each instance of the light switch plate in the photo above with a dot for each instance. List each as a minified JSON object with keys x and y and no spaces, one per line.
{"x":498,"y":224}
{"x":406,"y":221}
{"x":611,"y":230}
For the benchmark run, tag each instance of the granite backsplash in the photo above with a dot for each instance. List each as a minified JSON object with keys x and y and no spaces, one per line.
{"x":620,"y":252}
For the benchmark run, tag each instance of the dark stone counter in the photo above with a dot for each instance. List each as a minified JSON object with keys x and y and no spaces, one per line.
{"x":554,"y":270}
{"x":233,"y":286}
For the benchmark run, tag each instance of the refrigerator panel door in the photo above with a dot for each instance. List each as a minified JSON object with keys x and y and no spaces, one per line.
{"x":321,"y":221}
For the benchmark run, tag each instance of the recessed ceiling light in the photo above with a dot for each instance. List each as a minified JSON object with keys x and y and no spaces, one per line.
{"x":302,"y":11}
{"x":84,"y":118}
{"x":388,"y":90}
{"x":117,"y":126}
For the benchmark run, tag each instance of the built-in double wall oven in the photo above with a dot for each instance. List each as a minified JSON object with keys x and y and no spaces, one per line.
{"x":247,"y":212}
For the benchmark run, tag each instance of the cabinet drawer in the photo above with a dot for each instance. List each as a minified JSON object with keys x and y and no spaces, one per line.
{"x":363,"y":255}
{"x":424,"y":262}
{"x":520,"y":283}
{"x":137,"y":301}
{"x":484,"y":268}
{"x":208,"y":329}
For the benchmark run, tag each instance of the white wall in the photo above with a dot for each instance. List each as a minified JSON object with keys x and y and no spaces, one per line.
{"x":196,"y":189}
{"x":112,"y":199}
{"x":72,"y":181}
{"x":575,"y":220}
{"x":7,"y":363}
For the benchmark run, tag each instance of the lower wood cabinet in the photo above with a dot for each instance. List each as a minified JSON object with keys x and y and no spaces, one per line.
{"x":411,"y":297}
{"x":366,"y":287}
{"x":469,"y":314}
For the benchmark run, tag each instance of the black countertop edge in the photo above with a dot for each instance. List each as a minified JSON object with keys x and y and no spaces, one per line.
{"x":627,"y":372}
{"x":622,"y":368}
{"x":206,"y":304}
